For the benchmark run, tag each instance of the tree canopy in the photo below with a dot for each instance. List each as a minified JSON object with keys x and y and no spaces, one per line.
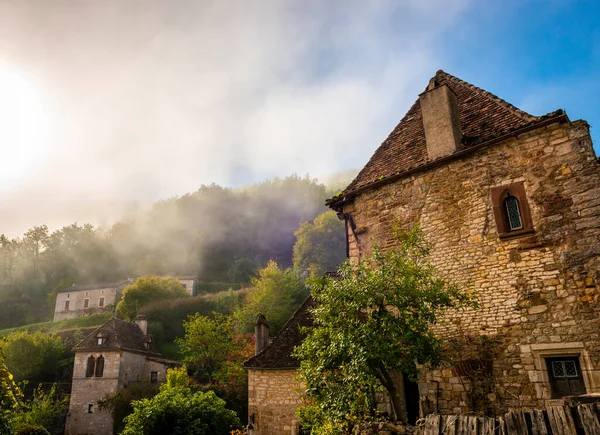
{"x":371,"y":323}
{"x":276,"y":293}
{"x":320,"y":244}
{"x":146,"y":290}
{"x":177,"y":409}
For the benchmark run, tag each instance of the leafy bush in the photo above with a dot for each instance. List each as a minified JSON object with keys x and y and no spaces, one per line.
{"x":146,"y":290}
{"x":42,"y":410}
{"x":216,"y":287}
{"x":32,"y":356}
{"x":32,"y":430}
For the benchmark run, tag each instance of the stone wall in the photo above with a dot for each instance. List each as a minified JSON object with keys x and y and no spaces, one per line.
{"x":88,"y":391}
{"x":537,"y":293}
{"x":76,"y":303}
{"x":273,"y":397}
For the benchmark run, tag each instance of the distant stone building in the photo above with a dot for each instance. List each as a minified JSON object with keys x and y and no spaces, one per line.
{"x":510,"y":203}
{"x":85,"y":300}
{"x":115,"y":355}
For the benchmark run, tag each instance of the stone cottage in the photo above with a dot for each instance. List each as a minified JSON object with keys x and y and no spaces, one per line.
{"x":114,"y":356}
{"x":510,"y":203}
{"x":85,"y":300}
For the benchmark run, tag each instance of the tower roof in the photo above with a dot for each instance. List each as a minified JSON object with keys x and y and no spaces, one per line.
{"x":118,"y":335}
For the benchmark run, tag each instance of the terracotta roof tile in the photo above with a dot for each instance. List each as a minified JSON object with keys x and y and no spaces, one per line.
{"x":483,"y":117}
{"x":278,"y":354}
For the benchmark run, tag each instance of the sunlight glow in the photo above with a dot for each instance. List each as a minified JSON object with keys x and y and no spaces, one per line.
{"x":24,"y":126}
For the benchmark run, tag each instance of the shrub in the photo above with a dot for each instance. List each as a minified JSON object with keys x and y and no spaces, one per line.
{"x":32,"y":430}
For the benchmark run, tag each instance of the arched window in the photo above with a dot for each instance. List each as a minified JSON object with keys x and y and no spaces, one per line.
{"x":100,"y":367}
{"x":513,"y":213}
{"x":91,"y":364}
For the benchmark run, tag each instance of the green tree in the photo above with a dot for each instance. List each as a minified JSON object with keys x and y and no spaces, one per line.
{"x":177,"y":409}
{"x":10,"y":397}
{"x":120,"y":404}
{"x":275,"y":293}
{"x":43,"y":409}
{"x":35,"y":357}
{"x":372,"y":323}
{"x":146,"y":290}
{"x":320,"y":244}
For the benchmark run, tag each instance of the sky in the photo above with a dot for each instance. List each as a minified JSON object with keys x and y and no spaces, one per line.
{"x":108,"y":104}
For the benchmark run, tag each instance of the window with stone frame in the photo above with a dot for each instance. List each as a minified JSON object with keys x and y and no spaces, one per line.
{"x":67,"y":304}
{"x":91,"y":365}
{"x":86,"y":303}
{"x":566,"y":378}
{"x":511,"y":210}
{"x":154,"y":377}
{"x":100,"y":367}
{"x":101,"y":302}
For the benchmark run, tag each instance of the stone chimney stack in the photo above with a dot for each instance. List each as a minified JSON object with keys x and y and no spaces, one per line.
{"x":261,"y":333}
{"x":440,"y":120}
{"x":142,"y":323}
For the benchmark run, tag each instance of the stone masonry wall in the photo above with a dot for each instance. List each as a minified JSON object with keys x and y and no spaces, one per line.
{"x":76,"y":303}
{"x":88,"y":391}
{"x":273,"y":397}
{"x":537,"y":293}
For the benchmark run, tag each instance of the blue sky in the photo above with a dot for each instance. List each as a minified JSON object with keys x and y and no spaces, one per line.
{"x":105,"y":104}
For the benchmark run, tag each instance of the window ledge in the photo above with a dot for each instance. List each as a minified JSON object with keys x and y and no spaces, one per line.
{"x":517,"y":233}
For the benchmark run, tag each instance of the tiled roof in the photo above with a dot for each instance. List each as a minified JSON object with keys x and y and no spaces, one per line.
{"x":119,"y":335}
{"x":483,"y":117}
{"x":81,"y":287}
{"x":278,"y":354}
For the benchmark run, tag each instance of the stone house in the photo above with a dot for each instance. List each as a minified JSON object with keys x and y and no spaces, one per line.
{"x":85,"y":300}
{"x":114,"y":356}
{"x":510,"y":203}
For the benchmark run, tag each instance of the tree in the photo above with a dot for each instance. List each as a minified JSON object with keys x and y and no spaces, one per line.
{"x":146,"y":290}
{"x":177,"y":409}
{"x":35,"y":357}
{"x":43,"y":409}
{"x":372,"y":323}
{"x":275,"y":293}
{"x":10,"y":397}
{"x":320,"y":245}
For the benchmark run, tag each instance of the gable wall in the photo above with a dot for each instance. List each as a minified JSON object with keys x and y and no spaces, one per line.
{"x":538,"y":290}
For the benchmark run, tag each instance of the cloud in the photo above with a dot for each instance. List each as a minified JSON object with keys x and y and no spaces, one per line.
{"x":148,"y":98}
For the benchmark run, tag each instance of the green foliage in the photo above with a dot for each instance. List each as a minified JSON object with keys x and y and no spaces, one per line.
{"x":120,"y":404}
{"x":146,"y":290}
{"x":10,"y":397}
{"x":34,"y":357}
{"x":372,"y":323}
{"x":176,"y":409}
{"x":217,"y":287}
{"x":320,"y":245}
{"x":32,"y":430}
{"x":61,"y":325}
{"x":276,"y":293}
{"x":43,"y":409}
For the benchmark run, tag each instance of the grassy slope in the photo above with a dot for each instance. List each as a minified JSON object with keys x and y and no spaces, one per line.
{"x":52,"y":327}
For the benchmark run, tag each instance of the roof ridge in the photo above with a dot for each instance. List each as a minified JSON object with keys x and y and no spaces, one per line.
{"x":93,"y":332}
{"x":518,"y":112}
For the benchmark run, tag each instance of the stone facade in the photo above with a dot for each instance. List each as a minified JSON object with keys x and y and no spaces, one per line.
{"x":538,"y":292}
{"x":127,"y":356}
{"x":82,"y":301}
{"x":273,"y":397}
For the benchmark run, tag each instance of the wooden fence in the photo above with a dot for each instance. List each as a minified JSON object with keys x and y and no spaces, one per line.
{"x":556,"y":420}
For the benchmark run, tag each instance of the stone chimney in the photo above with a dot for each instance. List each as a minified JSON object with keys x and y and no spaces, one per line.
{"x":142,"y":323}
{"x":440,"y":120}
{"x":261,"y":333}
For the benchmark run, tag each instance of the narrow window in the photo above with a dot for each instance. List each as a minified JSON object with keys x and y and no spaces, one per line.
{"x":91,"y":364}
{"x":67,"y":305}
{"x":513,"y":213}
{"x":86,"y":303}
{"x":101,"y":302}
{"x":90,"y":408}
{"x":100,"y":367}
{"x":100,"y":340}
{"x":87,"y":293}
{"x":154,"y":377}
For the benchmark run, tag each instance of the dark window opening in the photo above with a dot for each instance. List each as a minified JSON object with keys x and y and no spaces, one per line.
{"x":67,"y":305}
{"x":101,"y":302}
{"x":91,"y":364}
{"x":513,"y":213}
{"x":90,"y":408}
{"x":153,"y":377}
{"x":86,"y":303}
{"x":565,"y":376}
{"x":100,"y":366}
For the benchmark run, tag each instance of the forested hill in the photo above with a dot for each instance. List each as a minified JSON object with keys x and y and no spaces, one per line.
{"x":217,"y":233}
